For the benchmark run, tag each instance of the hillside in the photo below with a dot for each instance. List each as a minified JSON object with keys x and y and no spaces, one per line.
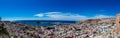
{"x":3,"y":32}
{"x":84,"y":29}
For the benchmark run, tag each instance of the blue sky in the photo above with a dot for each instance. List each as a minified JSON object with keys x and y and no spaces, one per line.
{"x":52,"y":9}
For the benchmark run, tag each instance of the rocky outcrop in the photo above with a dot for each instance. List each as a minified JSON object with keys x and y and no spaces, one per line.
{"x":84,"y":29}
{"x":98,"y":21}
{"x":3,"y":32}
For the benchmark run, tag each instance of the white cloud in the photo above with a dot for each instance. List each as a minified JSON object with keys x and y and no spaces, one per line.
{"x":52,"y":13}
{"x":61,"y":16}
{"x":39,"y":15}
{"x":103,"y":16}
{"x":67,"y":16}
{"x":58,"y":16}
{"x":18,"y":18}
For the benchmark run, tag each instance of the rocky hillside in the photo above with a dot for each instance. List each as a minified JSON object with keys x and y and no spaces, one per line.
{"x":97,"y":21}
{"x":84,"y":29}
{"x":3,"y":32}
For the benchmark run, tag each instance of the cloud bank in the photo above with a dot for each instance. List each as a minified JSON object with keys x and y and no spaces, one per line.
{"x":58,"y":16}
{"x":67,"y":16}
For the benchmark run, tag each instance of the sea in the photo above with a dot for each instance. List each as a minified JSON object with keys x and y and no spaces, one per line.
{"x":45,"y":22}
